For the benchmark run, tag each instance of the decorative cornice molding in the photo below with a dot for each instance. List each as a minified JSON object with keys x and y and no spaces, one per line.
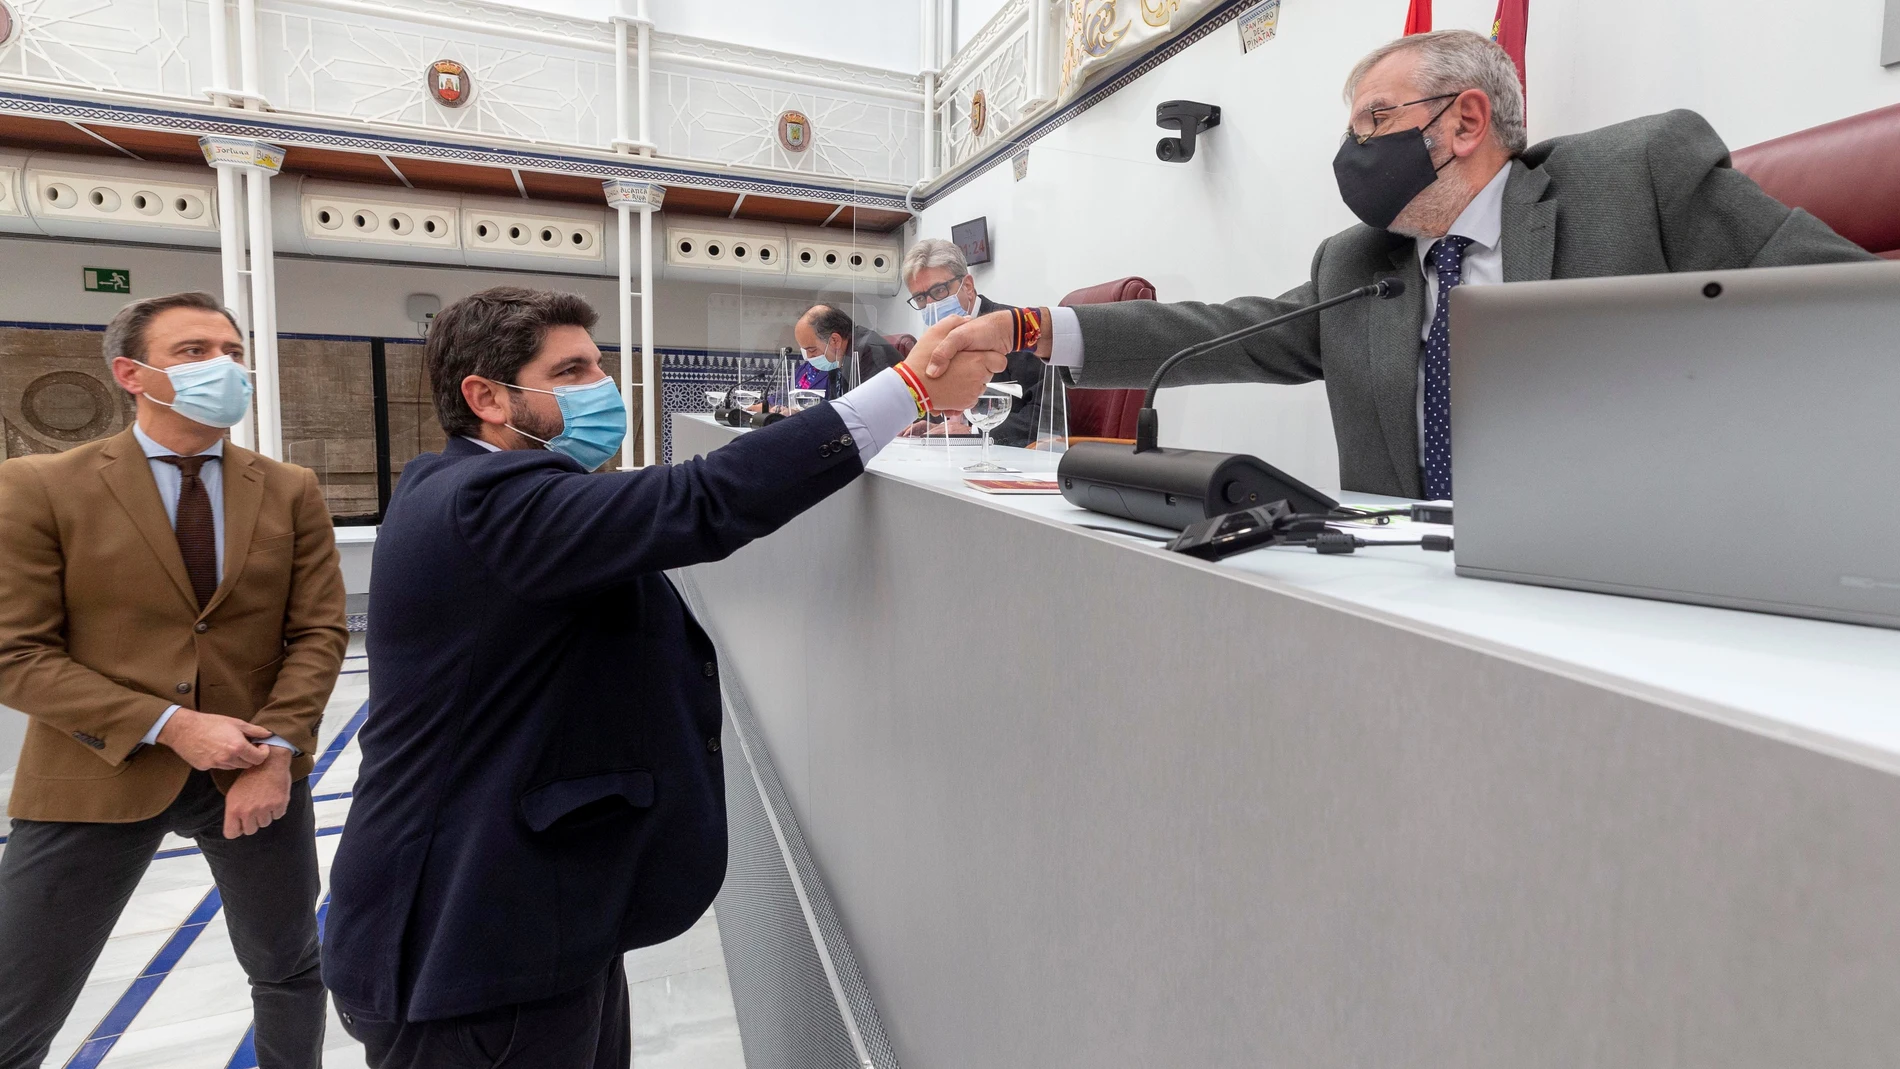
{"x":231,"y":123}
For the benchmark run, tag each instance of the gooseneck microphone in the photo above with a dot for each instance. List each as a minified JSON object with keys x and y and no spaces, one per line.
{"x":1177,"y":487}
{"x":739,"y":417}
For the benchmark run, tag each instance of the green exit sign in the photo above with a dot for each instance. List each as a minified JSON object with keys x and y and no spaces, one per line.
{"x":108,"y":280}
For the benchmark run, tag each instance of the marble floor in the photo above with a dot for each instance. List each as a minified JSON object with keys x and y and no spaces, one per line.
{"x":167,"y":993}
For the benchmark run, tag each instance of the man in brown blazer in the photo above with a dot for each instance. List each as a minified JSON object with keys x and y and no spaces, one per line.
{"x":171,"y":623}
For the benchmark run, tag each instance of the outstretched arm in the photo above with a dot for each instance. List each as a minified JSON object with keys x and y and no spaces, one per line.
{"x":553,"y":532}
{"x":1122,"y":344}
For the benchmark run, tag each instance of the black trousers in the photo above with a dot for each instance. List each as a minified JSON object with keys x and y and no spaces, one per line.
{"x":63,"y":886}
{"x":590,"y":1028}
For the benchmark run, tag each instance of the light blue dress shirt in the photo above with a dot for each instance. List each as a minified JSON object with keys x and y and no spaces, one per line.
{"x":170,"y":481}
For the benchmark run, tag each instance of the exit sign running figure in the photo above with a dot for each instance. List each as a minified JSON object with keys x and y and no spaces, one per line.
{"x":108,"y":280}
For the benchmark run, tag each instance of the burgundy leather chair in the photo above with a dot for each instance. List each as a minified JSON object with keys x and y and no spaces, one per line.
{"x":1846,"y":173}
{"x":1107,"y":414}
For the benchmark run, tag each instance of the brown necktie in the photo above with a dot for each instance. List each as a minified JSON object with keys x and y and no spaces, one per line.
{"x":197,"y":538}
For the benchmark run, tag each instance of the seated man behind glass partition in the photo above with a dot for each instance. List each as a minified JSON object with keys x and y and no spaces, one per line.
{"x":839,"y":355}
{"x":939,"y":282}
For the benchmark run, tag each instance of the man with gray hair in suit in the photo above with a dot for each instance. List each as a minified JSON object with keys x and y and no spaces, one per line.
{"x":1434,"y":163}
{"x":938,"y":277}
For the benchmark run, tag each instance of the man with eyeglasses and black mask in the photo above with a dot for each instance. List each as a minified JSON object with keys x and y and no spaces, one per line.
{"x":1435,"y":165}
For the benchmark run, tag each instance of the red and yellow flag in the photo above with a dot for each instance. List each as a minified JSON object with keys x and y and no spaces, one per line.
{"x":1418,"y":19}
{"x":1508,"y":30}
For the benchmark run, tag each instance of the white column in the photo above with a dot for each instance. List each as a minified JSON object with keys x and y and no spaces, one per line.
{"x":927,"y":159}
{"x":632,"y":14}
{"x":231,"y":262}
{"x":625,"y":220}
{"x":626,"y":197}
{"x":622,"y":128}
{"x":1038,"y":53}
{"x":257,"y":316}
{"x":646,"y":81}
{"x":649,"y":361}
{"x":247,"y":53}
{"x":270,"y":401}
{"x":220,"y":56}
{"x":258,"y":162}
{"x":928,"y":163}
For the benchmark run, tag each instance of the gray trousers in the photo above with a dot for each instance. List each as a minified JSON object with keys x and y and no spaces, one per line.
{"x":63,"y":886}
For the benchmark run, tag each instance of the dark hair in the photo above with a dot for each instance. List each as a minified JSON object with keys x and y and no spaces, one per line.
{"x":493,"y":334}
{"x":125,"y":335}
{"x":827,"y":320}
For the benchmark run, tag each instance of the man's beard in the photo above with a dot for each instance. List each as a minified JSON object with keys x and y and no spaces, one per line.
{"x":1431,"y":213}
{"x":524,"y":420}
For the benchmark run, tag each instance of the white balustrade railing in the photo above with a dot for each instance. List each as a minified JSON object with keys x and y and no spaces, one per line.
{"x":997,"y":83}
{"x":538,"y":79}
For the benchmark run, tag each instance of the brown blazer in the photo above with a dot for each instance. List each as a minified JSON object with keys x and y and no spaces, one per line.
{"x":100,"y":632}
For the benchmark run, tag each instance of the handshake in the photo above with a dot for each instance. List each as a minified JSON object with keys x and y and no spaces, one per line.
{"x":952,"y":371}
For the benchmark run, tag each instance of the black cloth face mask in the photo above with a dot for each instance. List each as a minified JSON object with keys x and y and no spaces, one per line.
{"x":1381,"y":175}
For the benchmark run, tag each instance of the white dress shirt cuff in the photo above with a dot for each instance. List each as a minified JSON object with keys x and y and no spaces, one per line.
{"x":1065,"y":343}
{"x":151,"y":737}
{"x":876,"y":412}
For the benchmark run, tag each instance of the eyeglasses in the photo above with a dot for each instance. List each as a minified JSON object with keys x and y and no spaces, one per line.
{"x":935,"y":293}
{"x":1365,"y":125}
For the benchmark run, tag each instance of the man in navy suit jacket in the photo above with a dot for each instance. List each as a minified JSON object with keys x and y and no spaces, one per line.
{"x":541,"y":787}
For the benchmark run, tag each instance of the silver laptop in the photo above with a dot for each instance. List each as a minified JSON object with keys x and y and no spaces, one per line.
{"x":1728,"y":438}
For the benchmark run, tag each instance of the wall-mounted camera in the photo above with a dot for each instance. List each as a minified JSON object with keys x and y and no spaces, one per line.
{"x":1190,"y":118}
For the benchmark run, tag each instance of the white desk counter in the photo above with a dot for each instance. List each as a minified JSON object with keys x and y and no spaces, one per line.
{"x":1080,"y":801}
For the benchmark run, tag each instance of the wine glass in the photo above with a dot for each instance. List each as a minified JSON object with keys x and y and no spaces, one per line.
{"x":987,"y":413}
{"x":804,"y":399}
{"x":745,"y":398}
{"x":715,"y":398}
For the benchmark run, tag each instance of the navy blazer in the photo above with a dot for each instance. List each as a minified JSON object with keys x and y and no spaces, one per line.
{"x":541,"y":786}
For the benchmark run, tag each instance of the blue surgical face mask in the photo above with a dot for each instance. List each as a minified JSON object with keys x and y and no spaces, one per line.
{"x":593,"y":422}
{"x":824,"y":363}
{"x":216,"y":392}
{"x":944,"y":309}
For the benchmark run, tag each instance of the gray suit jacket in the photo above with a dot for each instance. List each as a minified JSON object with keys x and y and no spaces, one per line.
{"x":1647,"y":196}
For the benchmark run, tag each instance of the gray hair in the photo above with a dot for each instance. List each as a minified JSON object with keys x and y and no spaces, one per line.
{"x":1452,"y":61}
{"x":935,"y":252}
{"x":125,"y":335}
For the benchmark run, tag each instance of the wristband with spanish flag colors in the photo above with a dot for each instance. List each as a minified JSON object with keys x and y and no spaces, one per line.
{"x":1028,"y":329}
{"x":917,"y":392}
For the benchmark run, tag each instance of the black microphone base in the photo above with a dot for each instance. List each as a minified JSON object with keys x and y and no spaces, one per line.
{"x":739,"y":417}
{"x":1173,"y":488}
